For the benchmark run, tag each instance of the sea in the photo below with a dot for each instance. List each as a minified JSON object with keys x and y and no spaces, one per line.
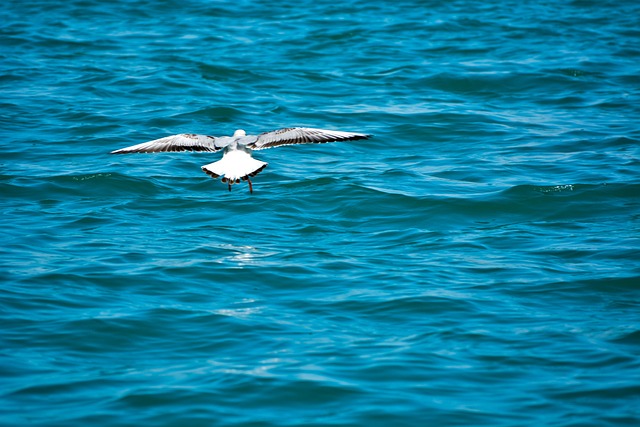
{"x":476,"y":262}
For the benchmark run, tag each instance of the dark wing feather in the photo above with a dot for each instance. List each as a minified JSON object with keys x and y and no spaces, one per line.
{"x":302,"y":136}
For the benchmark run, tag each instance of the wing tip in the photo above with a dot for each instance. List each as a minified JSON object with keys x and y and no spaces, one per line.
{"x":352,"y":136}
{"x":364,"y":136}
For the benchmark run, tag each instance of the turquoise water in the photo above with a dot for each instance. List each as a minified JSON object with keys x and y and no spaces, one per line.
{"x":475,"y":263}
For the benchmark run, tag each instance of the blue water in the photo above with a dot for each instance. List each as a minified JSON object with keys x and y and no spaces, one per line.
{"x":475,"y":263}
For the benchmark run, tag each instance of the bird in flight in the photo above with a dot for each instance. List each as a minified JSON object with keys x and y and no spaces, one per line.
{"x":237,"y":163}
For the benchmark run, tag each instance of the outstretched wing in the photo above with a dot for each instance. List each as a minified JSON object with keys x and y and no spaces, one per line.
{"x":182,"y":142}
{"x":302,"y":136}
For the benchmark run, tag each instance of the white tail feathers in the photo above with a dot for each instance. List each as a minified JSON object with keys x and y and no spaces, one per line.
{"x":234,"y":166}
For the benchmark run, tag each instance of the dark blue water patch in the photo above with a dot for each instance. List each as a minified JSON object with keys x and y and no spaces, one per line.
{"x":631,"y":338}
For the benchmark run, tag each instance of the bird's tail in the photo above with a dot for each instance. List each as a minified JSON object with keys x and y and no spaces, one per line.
{"x":234,"y":166}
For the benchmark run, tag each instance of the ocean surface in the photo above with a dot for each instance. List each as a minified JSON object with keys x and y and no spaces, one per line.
{"x":475,"y":263}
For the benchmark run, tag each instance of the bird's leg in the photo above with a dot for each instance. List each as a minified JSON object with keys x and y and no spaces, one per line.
{"x":229,"y":183}
{"x":250,"y":186}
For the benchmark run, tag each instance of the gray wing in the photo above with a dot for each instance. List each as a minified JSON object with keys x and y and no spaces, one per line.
{"x":182,"y":142}
{"x":302,"y":136}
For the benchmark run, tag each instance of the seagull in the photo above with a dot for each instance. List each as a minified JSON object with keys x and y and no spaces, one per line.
{"x":237,"y":163}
